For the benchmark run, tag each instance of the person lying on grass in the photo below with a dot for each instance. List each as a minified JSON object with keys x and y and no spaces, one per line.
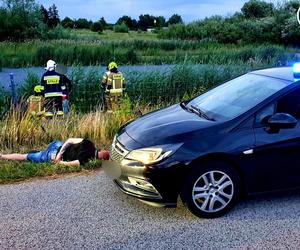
{"x":74,"y":152}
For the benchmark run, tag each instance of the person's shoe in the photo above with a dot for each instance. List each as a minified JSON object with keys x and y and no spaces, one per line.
{"x":60,"y":113}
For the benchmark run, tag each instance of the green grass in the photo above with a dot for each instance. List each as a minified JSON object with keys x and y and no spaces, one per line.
{"x":84,"y":34}
{"x":141,"y":51}
{"x":18,"y":171}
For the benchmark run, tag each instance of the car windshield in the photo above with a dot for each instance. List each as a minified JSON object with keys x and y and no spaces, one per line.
{"x":235,"y":97}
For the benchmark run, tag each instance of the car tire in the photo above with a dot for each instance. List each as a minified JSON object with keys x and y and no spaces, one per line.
{"x":211,"y":189}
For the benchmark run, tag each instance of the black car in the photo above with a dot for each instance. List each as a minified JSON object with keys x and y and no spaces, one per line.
{"x":241,"y":137}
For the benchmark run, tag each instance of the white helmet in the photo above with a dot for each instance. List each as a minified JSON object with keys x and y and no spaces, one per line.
{"x":51,"y":65}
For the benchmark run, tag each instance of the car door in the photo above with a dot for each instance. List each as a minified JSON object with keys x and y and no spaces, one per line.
{"x":276,"y":155}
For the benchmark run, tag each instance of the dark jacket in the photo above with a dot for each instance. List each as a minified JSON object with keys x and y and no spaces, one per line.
{"x":52,"y":83}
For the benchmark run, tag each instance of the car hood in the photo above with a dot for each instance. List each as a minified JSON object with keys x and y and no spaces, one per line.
{"x":167,"y":125}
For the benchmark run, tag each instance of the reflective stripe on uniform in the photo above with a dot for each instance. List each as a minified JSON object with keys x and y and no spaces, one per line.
{"x":113,"y":91}
{"x":53,"y":94}
{"x":48,"y":114}
{"x":52,"y":79}
{"x":116,"y":80}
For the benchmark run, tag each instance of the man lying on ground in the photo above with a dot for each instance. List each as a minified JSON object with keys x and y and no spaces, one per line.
{"x":74,"y":152}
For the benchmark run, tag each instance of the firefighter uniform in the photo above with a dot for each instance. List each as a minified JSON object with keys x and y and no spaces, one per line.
{"x":53,"y":89}
{"x":113,"y":84}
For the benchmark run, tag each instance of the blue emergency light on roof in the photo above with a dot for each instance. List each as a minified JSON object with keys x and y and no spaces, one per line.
{"x":296,"y":70}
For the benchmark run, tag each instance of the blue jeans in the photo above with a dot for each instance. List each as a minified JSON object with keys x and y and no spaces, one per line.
{"x":45,"y":155}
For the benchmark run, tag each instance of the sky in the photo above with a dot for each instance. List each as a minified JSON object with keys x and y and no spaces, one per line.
{"x":111,"y":10}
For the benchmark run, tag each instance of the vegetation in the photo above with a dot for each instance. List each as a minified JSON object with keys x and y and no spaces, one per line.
{"x":258,"y":22}
{"x":25,"y":19}
{"x":20,"y":132}
{"x":121,"y":28}
{"x":157,"y":88}
{"x":5,"y":101}
{"x":17,"y":171}
{"x":36,"y":53}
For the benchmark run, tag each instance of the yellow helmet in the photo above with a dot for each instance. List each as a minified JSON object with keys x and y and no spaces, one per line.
{"x":112,"y":65}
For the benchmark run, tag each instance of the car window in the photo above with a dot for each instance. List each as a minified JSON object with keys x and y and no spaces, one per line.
{"x":237,"y":96}
{"x":264,"y":114}
{"x":290,"y":104}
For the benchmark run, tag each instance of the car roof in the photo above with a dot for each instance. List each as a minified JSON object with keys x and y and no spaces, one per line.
{"x":283,"y":73}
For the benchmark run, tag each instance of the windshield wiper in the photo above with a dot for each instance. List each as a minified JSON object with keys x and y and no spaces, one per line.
{"x":200,"y":113}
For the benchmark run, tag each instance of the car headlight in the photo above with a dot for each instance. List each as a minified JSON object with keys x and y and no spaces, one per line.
{"x":152,"y":154}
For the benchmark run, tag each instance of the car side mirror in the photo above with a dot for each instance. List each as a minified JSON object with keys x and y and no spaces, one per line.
{"x":281,"y":121}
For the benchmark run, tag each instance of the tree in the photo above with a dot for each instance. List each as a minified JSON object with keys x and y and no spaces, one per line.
{"x":292,"y":6}
{"x":20,"y":5}
{"x":45,"y":15}
{"x":82,"y":23}
{"x":131,"y":23}
{"x":291,"y":32}
{"x":175,"y":19}
{"x":145,"y":22}
{"x":97,"y":27}
{"x":103,"y":22}
{"x":257,"y":9}
{"x":19,"y":19}
{"x":121,"y":28}
{"x":53,"y":16}
{"x":160,"y":21}
{"x":67,"y":23}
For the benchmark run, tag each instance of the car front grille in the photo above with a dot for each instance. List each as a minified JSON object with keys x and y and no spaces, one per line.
{"x":118,"y":151}
{"x":115,"y":156}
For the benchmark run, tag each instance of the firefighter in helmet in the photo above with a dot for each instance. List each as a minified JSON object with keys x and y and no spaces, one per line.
{"x":36,"y":102}
{"x":53,"y":87}
{"x":113,"y":85}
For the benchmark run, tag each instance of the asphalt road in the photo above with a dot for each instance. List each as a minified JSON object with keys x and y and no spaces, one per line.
{"x":89,"y":212}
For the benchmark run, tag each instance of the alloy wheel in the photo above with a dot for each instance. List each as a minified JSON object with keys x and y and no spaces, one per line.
{"x":212,"y":191}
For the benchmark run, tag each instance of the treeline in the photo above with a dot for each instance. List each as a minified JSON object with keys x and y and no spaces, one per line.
{"x":124,"y":23}
{"x":257,"y":22}
{"x":25,"y":19}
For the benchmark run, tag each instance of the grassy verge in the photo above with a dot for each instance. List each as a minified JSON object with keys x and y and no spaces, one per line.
{"x":20,"y":132}
{"x":18,"y":171}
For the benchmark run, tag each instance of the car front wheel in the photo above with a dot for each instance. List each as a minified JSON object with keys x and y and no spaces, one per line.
{"x":211,"y":189}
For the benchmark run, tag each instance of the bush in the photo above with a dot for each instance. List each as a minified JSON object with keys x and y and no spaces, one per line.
{"x":5,"y":101}
{"x":57,"y":33}
{"x":97,"y":27}
{"x":27,"y":88}
{"x":121,"y":28}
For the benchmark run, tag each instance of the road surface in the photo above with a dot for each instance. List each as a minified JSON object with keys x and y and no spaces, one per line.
{"x":89,"y":212}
